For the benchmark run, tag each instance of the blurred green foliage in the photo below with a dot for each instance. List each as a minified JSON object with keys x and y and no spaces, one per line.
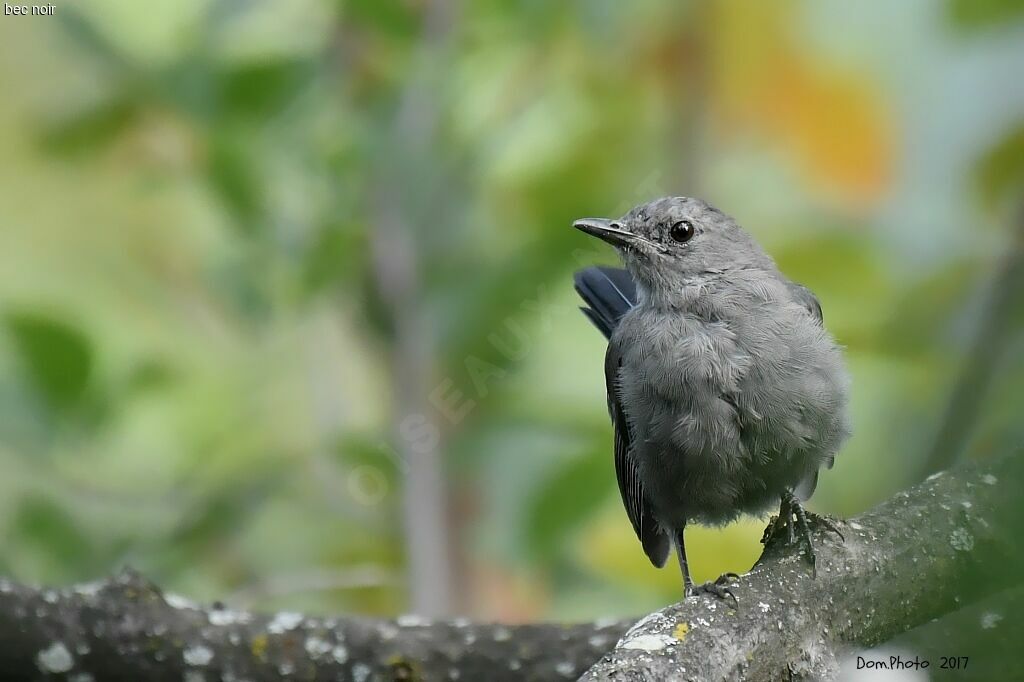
{"x":56,"y":357}
{"x":975,"y":14}
{"x":198,"y":341}
{"x":1000,"y":175}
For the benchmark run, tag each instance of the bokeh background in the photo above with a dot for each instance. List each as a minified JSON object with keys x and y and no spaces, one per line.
{"x":286,"y":314}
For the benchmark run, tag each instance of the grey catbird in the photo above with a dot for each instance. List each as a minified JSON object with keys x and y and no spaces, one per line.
{"x":725,"y":391}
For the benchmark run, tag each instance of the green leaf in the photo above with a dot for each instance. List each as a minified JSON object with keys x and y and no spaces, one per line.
{"x":392,"y":18}
{"x":358,"y":450}
{"x":567,"y":499}
{"x":56,"y":356}
{"x":333,"y":257}
{"x":89,"y":129}
{"x":218,"y":516}
{"x":49,"y":528}
{"x":231,"y":172}
{"x":153,"y":374}
{"x":975,"y":14}
{"x":999,"y":174}
{"x":258,"y":90}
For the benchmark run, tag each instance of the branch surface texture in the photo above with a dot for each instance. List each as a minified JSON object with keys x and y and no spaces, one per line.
{"x":125,"y":628}
{"x":928,"y":551}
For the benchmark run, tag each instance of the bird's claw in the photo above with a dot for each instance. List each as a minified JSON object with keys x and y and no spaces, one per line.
{"x":828,"y":523}
{"x":718,"y":588}
{"x":793,"y":519}
{"x":774,"y":527}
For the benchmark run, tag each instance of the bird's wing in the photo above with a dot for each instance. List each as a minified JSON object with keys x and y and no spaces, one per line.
{"x":609,"y":294}
{"x":806,"y":298}
{"x":654,"y":540}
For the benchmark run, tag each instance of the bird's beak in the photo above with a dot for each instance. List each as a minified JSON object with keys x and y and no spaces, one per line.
{"x":607,"y":230}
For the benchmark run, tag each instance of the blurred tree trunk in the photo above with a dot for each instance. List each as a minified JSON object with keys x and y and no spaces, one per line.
{"x":997,"y":324}
{"x":399,"y":208}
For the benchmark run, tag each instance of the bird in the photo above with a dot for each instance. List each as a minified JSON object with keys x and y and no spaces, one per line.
{"x":726,"y":393}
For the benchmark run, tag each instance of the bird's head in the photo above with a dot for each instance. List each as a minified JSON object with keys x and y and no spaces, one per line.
{"x":668,"y":241}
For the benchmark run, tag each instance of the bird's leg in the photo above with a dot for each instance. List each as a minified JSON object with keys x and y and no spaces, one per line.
{"x":794,"y":518}
{"x":718,"y":588}
{"x":781,"y":523}
{"x":684,"y":567}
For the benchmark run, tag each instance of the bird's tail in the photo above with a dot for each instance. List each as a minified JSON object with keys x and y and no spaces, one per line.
{"x":609,"y":294}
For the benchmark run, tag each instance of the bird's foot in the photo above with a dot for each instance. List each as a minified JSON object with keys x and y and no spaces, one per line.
{"x":825,"y":521}
{"x":794,"y":524}
{"x":718,"y":588}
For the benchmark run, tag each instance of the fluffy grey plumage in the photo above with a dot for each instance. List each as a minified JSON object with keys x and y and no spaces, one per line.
{"x":725,"y":390}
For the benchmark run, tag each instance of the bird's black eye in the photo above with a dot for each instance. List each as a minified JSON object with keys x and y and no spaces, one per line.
{"x":682,"y":231}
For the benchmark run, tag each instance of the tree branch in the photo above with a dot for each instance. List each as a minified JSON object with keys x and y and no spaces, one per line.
{"x":924,"y":553}
{"x":126,"y":629}
{"x":929,"y":551}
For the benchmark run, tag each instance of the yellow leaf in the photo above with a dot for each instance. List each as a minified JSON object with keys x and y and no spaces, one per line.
{"x":832,"y":121}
